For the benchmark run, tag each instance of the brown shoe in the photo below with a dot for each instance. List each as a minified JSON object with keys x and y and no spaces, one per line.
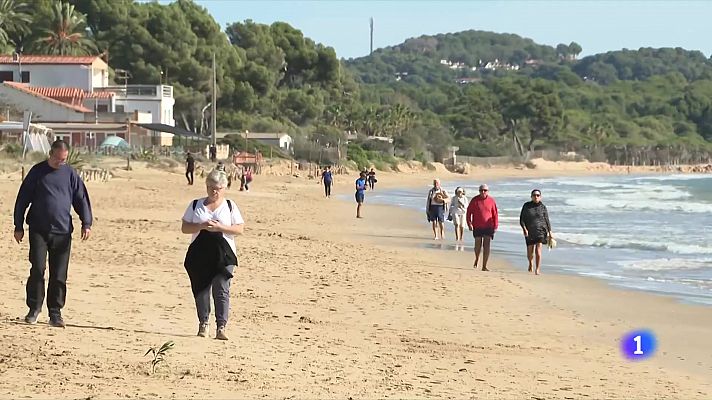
{"x":203,"y":329}
{"x":220,"y":334}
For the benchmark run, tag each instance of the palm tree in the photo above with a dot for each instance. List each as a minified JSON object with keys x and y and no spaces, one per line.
{"x":14,"y":21}
{"x":64,"y":34}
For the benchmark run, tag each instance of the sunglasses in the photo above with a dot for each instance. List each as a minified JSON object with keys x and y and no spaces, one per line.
{"x":536,"y":195}
{"x":484,"y":190}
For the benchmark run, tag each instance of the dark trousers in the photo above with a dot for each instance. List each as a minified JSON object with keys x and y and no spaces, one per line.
{"x":58,"y":246}
{"x":189,"y":176}
{"x":371,"y":184}
{"x":327,"y":189}
{"x":220,"y":288}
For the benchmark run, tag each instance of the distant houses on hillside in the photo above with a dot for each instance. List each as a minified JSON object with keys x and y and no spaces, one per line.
{"x":482,"y":65}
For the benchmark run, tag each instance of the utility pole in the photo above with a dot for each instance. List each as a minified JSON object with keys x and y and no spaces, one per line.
{"x":371,"y":52}
{"x":212,"y":114}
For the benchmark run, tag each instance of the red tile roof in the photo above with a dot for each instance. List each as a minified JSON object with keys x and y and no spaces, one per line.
{"x":38,"y":59}
{"x":69,"y":92}
{"x":26,"y":89}
{"x":55,"y":92}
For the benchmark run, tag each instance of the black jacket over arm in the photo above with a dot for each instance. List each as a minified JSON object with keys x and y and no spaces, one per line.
{"x":207,"y":257}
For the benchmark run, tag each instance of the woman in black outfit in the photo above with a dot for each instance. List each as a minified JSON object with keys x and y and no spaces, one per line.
{"x":534,"y":220}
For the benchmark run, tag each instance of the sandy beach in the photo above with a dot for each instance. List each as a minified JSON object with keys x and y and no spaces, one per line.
{"x":328,"y":306}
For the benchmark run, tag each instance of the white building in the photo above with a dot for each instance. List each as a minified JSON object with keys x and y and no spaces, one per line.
{"x":83,"y":83}
{"x":85,"y":72}
{"x":280,"y":140}
{"x":154,"y":99}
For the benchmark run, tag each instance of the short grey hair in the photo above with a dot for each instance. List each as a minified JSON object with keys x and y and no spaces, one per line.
{"x":216,"y":178}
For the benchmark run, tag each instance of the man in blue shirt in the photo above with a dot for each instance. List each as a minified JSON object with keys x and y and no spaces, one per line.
{"x":360,"y":192}
{"x":328,"y":179}
{"x":53,"y":188}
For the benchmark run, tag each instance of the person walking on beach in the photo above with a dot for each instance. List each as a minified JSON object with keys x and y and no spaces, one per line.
{"x":534,"y":220}
{"x":210,"y":261}
{"x":482,"y":219}
{"x":327,"y":178}
{"x":189,"y":168}
{"x":360,"y":193}
{"x":458,"y":210}
{"x":52,"y":188}
{"x":435,"y":208}
{"x":372,"y":179}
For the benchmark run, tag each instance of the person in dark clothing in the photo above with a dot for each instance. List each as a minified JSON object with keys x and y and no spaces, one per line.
{"x":327,"y":178}
{"x":189,"y":168}
{"x":534,"y":220}
{"x":213,"y":222}
{"x":213,"y":153}
{"x":372,"y":179}
{"x":52,"y":188}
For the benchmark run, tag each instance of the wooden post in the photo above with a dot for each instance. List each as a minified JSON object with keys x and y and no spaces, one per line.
{"x":23,"y":173}
{"x":291,"y":167}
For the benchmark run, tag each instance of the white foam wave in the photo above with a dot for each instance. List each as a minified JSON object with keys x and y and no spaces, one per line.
{"x":666,"y":264}
{"x":627,"y":243}
{"x":674,"y":177}
{"x":602,"y":203}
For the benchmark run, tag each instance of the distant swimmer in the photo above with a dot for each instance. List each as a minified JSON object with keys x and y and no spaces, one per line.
{"x":458,"y":211}
{"x":482,"y":220}
{"x":360,"y":192}
{"x":435,"y":205}
{"x":534,"y":220}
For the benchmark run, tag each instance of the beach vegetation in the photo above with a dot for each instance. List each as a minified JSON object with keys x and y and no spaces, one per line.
{"x":159,"y":354}
{"x":490,"y":94}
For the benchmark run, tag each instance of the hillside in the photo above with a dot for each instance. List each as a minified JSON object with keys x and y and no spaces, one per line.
{"x":487,"y":93}
{"x":453,"y":55}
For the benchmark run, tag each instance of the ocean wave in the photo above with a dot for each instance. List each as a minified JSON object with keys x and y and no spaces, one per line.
{"x":674,"y":177}
{"x":602,"y":203}
{"x":626,"y":243}
{"x":666,"y":264}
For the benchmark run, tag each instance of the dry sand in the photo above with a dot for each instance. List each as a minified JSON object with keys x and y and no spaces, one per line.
{"x":327,"y":306}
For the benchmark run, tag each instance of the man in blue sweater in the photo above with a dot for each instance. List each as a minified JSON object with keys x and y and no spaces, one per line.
{"x":53,"y":188}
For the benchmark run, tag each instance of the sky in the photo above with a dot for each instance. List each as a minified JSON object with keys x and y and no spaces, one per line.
{"x":598,"y":26}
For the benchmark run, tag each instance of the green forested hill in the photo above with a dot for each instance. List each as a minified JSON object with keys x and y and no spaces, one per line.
{"x":488,"y":93}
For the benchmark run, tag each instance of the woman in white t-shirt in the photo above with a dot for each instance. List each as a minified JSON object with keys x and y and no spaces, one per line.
{"x":458,"y":210}
{"x":214,"y":214}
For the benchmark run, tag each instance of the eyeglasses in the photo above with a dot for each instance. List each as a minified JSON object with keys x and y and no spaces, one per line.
{"x":216,"y":188}
{"x":536,"y":195}
{"x":484,"y":190}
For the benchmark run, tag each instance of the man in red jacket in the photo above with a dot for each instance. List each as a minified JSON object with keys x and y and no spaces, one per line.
{"x":482,"y":220}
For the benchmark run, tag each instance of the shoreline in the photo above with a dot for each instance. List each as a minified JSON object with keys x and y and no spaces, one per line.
{"x":509,"y":251}
{"x":324,"y":305}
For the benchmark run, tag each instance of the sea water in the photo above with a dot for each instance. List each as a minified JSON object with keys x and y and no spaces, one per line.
{"x":651,"y":233}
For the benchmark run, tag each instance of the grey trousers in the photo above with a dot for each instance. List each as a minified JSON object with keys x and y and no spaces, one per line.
{"x":220,"y":287}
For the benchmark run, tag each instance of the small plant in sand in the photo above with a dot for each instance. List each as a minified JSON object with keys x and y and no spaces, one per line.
{"x":159,"y":354}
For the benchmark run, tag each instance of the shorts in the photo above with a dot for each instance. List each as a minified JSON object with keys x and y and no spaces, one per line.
{"x":458,"y":219}
{"x":480,"y":232}
{"x":436,"y":213}
{"x":536,"y":237}
{"x":360,"y":196}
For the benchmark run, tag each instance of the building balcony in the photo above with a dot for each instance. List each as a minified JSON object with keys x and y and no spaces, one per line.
{"x":156,"y":92}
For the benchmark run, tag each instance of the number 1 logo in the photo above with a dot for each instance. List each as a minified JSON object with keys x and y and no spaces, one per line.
{"x":638,"y":345}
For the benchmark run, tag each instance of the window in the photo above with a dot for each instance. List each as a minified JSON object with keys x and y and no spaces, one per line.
{"x":25,"y":77}
{"x":102,"y":108}
{"x":66,"y":138}
{"x":6,"y":76}
{"x":119,"y":109}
